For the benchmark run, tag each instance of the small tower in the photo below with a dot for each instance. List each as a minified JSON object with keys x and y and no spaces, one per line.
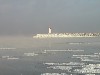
{"x":49,"y":30}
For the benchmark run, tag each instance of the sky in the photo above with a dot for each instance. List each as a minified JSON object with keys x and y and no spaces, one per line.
{"x":28,"y":17}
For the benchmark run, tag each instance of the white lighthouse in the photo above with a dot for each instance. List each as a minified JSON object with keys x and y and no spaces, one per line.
{"x":49,"y":30}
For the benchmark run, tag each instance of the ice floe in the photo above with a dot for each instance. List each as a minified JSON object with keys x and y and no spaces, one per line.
{"x":70,"y":50}
{"x":30,"y":54}
{"x":55,"y":74}
{"x":90,"y":68}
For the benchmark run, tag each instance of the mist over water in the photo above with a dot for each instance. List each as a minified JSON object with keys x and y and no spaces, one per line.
{"x":23,"y":55}
{"x":28,"y":56}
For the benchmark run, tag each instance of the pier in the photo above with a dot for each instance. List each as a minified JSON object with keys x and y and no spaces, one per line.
{"x":65,"y":35}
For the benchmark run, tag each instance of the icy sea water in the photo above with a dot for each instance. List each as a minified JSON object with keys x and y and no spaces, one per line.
{"x":67,"y":56}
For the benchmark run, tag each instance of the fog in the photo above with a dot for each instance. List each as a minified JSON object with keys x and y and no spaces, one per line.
{"x":28,"y":17}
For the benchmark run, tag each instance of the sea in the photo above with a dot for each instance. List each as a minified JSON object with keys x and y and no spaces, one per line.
{"x":23,"y":55}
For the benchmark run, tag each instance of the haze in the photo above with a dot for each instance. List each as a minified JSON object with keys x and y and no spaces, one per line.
{"x":28,"y":17}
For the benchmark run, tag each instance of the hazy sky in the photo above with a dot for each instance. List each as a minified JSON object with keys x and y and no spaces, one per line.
{"x":24,"y":17}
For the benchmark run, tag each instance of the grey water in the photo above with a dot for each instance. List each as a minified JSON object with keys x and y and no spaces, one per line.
{"x":28,"y":56}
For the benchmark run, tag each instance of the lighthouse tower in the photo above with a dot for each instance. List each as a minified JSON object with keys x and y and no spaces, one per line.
{"x":49,"y":30}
